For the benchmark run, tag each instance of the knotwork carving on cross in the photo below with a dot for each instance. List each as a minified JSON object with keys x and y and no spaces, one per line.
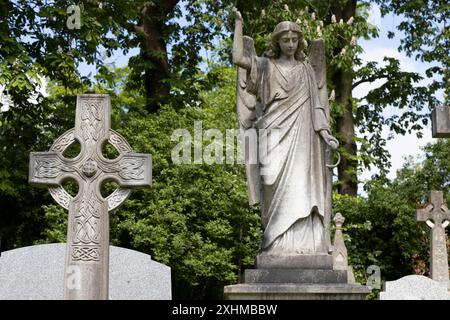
{"x":60,"y":195}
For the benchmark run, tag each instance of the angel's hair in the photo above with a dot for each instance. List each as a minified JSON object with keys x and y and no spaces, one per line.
{"x":274,"y":47}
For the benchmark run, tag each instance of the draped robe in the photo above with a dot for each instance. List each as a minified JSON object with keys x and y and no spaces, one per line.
{"x":293,"y":171}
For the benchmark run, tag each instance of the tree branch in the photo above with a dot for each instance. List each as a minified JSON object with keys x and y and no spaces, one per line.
{"x":369,"y":79}
{"x":167,"y":6}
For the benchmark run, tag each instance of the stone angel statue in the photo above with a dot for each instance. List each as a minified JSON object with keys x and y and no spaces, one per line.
{"x":285,"y":92}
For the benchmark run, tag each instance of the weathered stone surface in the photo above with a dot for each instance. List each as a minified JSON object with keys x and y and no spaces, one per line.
{"x":37,"y":273}
{"x":340,"y":257}
{"x":291,"y":291}
{"x":437,"y":215}
{"x":283,"y":96}
{"x":415,"y":287}
{"x":339,"y":249}
{"x":291,"y":114}
{"x":440,"y":120}
{"x":88,"y":221}
{"x":295,"y":276}
{"x":294,"y":261}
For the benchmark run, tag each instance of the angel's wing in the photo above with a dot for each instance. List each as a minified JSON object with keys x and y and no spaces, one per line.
{"x":317,"y":59}
{"x":245,"y":101}
{"x":247,"y":112}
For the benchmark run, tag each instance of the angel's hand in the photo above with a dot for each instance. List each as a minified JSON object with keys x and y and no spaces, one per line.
{"x":333,"y":143}
{"x":329,"y":139}
{"x":237,"y":14}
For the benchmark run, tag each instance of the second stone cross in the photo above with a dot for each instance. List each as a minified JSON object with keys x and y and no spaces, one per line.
{"x":437,"y":217}
{"x":87,"y":256}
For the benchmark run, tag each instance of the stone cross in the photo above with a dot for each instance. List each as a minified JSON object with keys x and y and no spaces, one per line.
{"x":437,"y":217}
{"x":87,"y":255}
{"x":440,"y":122}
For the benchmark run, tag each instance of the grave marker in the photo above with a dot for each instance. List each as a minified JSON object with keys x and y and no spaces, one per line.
{"x":437,"y":217}
{"x":87,"y":256}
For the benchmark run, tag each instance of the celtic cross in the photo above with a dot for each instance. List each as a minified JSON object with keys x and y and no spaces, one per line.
{"x":437,"y":216}
{"x":87,"y":256}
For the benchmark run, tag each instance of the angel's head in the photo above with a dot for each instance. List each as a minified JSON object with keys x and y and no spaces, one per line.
{"x":287,"y":38}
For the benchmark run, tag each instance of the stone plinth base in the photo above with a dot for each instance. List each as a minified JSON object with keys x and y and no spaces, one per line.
{"x":295,"y":291}
{"x":294,"y":261}
{"x":296,"y":277}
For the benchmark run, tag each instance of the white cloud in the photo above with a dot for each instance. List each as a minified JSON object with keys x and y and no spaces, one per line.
{"x":374,"y":15}
{"x":401,"y":147}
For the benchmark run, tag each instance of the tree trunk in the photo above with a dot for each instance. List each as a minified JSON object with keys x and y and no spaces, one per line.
{"x":154,"y":52}
{"x":343,"y":80}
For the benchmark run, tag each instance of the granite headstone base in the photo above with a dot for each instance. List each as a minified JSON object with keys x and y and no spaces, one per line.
{"x":415,"y":287}
{"x":37,"y":273}
{"x":295,"y":277}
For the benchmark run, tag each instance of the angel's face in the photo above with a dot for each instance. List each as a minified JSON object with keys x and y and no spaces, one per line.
{"x":288,"y":43}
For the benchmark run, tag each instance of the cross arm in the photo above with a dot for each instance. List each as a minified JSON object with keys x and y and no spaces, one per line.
{"x":424,"y":214}
{"x":130,"y":170}
{"x":48,"y":169}
{"x":437,"y":199}
{"x":445,"y":212}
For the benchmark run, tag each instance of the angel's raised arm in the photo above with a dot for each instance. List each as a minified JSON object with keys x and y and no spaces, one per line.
{"x":239,"y":58}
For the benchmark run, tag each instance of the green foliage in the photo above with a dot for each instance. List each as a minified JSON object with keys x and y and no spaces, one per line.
{"x":36,"y":34}
{"x":381,"y":229}
{"x":436,"y":168}
{"x":22,"y":131}
{"x":37,"y":41}
{"x":195,"y":217}
{"x":425,"y":34}
{"x":201,"y":27}
{"x":55,"y":226}
{"x":316,"y":21}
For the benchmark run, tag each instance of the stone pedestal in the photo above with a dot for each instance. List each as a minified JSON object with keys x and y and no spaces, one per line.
{"x":415,"y":287}
{"x":295,"y":277}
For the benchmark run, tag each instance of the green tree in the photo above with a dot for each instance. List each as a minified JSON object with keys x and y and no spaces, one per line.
{"x":381,"y":229}
{"x":425,"y":35}
{"x":35,"y":43}
{"x":170,"y":35}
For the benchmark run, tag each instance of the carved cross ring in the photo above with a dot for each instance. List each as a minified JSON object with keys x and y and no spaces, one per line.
{"x":89,"y":169}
